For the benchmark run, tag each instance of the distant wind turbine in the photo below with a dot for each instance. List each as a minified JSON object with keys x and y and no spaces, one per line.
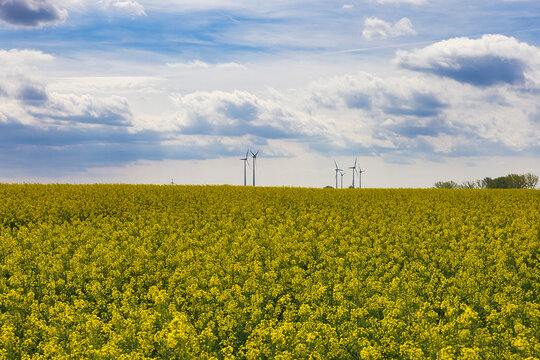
{"x":254,"y":156}
{"x":342,"y":173}
{"x":337,"y":171}
{"x":353,"y":168}
{"x":360,"y":171}
{"x":245,"y":159}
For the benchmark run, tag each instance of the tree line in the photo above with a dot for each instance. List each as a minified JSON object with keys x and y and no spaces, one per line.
{"x":510,"y":181}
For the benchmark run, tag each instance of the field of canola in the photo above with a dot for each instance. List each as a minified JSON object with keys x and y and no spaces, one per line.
{"x":187,"y":272}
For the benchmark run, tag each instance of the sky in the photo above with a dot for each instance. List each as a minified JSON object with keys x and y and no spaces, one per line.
{"x":136,"y":91}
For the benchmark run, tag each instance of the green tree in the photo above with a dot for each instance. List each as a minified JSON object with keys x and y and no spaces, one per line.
{"x":515,"y":181}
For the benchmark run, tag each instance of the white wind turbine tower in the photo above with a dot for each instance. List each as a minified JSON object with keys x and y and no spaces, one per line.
{"x":342,"y":173}
{"x":245,"y":159}
{"x":337,"y":171}
{"x":353,"y":168}
{"x":360,"y":171}
{"x":254,"y":156}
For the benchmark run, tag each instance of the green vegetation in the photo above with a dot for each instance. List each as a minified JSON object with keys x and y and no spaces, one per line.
{"x":510,"y":181}
{"x":185,"y":272}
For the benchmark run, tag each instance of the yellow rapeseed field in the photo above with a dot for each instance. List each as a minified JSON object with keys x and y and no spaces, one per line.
{"x":220,"y":272}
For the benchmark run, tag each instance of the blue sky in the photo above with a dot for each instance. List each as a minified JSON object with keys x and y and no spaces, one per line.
{"x":145,"y":91}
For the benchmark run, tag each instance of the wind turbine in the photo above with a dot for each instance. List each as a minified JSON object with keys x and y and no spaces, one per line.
{"x":337,"y":170}
{"x":254,"y":156}
{"x":245,"y":159}
{"x":353,"y":171}
{"x":342,"y":173}
{"x":360,"y":171}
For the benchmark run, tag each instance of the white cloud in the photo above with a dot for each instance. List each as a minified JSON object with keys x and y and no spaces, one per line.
{"x":129,"y":7}
{"x":377,"y":29}
{"x":16,"y":58}
{"x":492,"y":59}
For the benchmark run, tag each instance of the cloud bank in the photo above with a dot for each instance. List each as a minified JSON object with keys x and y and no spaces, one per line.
{"x":432,"y":107}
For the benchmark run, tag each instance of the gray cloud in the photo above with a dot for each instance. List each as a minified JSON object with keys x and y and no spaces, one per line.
{"x":418,"y":104}
{"x":32,"y":94}
{"x":413,"y":129}
{"x":490,"y":60}
{"x":358,"y":101}
{"x":55,"y":150}
{"x":377,"y":96}
{"x":480,"y":71}
{"x":31,"y":13}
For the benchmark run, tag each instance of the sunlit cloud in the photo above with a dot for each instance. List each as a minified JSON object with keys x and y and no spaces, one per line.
{"x":377,"y":29}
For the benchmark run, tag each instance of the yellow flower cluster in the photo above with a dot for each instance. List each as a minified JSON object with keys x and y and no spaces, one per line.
{"x":194,"y":272}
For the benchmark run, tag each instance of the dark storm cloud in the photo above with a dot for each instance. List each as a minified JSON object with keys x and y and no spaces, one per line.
{"x":30,"y":13}
{"x":480,"y":70}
